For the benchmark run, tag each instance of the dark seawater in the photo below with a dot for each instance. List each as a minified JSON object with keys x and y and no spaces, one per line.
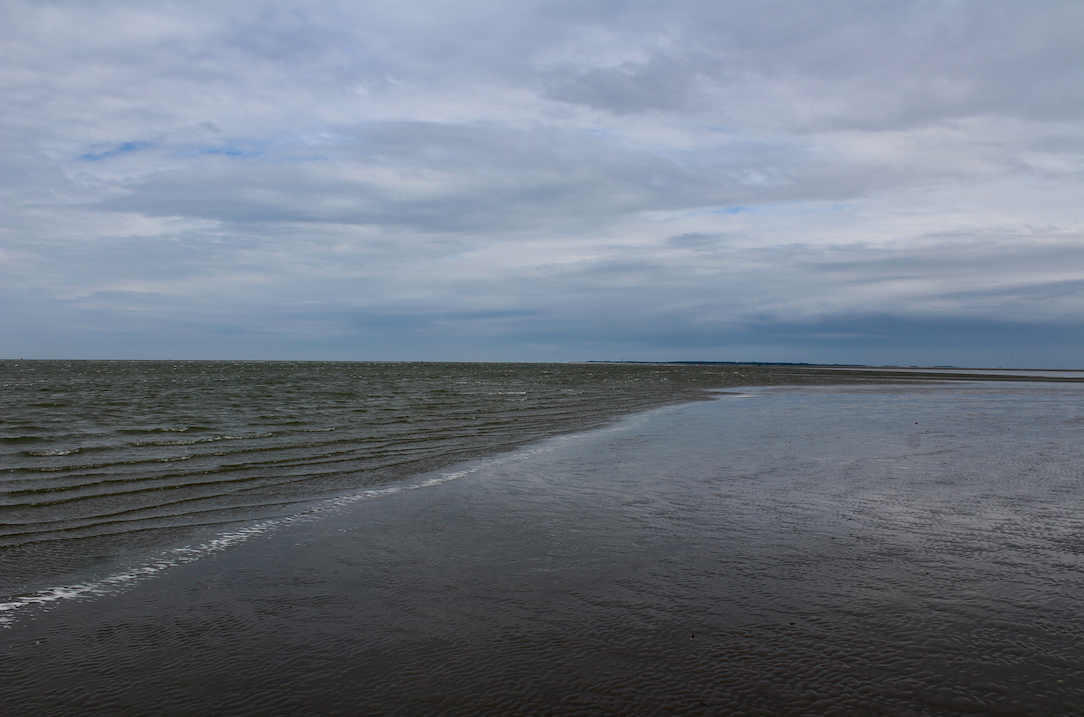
{"x":874,"y":550}
{"x":106,"y":460}
{"x":102,"y":458}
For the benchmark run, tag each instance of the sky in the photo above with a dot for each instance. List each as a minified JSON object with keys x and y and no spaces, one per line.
{"x":872,"y":182}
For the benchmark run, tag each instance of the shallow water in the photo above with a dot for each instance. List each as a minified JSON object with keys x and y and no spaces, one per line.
{"x":103,"y":459}
{"x":868,"y":551}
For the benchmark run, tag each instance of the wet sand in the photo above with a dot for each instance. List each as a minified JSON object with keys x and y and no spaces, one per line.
{"x":806,"y":551}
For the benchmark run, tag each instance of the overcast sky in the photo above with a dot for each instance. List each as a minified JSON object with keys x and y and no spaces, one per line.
{"x":868,"y":182}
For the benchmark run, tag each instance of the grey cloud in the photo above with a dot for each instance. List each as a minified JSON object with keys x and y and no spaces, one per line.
{"x":362,"y":180}
{"x":857,"y":65}
{"x":1035,"y":293}
{"x":441,"y":177}
{"x":911,"y":62}
{"x":698,"y":240}
{"x":660,"y":83}
{"x":433,"y":177}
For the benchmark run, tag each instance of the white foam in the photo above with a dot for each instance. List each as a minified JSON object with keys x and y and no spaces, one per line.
{"x":119,"y":581}
{"x":129,"y":577}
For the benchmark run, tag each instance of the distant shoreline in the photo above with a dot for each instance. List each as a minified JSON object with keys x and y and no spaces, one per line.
{"x":927,"y":372}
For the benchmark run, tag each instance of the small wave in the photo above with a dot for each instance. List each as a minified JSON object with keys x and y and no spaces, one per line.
{"x":193,"y":441}
{"x":162,"y":429}
{"x":55,"y":452}
{"x":117,"y":582}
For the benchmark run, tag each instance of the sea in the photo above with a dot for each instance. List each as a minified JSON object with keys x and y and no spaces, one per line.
{"x":357,"y":538}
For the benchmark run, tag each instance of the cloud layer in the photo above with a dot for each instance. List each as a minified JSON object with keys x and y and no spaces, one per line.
{"x":855,"y":182}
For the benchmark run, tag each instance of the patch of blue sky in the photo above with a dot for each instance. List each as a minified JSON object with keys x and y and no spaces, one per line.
{"x":274,"y":150}
{"x":679,"y":214}
{"x":799,"y":207}
{"x":121,"y":149}
{"x":224,"y":151}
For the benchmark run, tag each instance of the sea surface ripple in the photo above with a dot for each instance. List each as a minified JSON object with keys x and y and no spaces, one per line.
{"x":103,"y":459}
